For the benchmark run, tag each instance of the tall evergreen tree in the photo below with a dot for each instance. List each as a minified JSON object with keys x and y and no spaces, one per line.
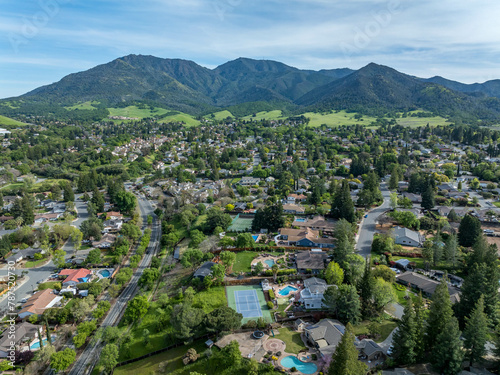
{"x":482,"y":279}
{"x":393,"y":181}
{"x":437,"y":249}
{"x":476,"y":332}
{"x":420,"y":315}
{"x":440,"y":313}
{"x":343,"y":249}
{"x":468,"y":231}
{"x":404,"y":339}
{"x":345,"y":359}
{"x":366,"y":290}
{"x":451,"y":249}
{"x":428,"y":199}
{"x":28,"y":213}
{"x":342,"y":206}
{"x":447,"y":354}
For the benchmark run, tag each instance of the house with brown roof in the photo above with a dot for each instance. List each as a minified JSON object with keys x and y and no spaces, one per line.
{"x":310,"y":260}
{"x":19,"y":338}
{"x":316,"y":223}
{"x":38,"y":303}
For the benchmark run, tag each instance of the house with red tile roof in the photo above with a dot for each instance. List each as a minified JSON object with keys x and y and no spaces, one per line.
{"x":75,"y":276}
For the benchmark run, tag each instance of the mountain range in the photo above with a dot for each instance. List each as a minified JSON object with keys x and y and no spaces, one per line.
{"x":186,"y":86}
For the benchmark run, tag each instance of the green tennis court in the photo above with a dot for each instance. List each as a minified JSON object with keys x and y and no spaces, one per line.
{"x":240,"y":224}
{"x":244,"y":299}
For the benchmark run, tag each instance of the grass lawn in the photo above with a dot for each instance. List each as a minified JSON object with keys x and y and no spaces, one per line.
{"x":35,"y":263}
{"x":496,"y":204}
{"x":267,"y":115}
{"x":200,"y":220}
{"x":48,"y":284}
{"x":337,"y":119}
{"x":244,"y":260}
{"x":182,"y":117}
{"x":221,"y":115}
{"x":386,"y":327}
{"x":171,"y":362}
{"x":70,"y":303}
{"x":8,"y":121}
{"x":292,"y":339}
{"x":210,"y":299}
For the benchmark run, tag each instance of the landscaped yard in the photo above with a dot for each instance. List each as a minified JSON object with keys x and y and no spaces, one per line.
{"x":208,"y":300}
{"x":170,"y":361}
{"x":294,"y":343}
{"x":386,"y":327}
{"x":244,"y":260}
{"x":49,"y":285}
{"x":35,"y":263}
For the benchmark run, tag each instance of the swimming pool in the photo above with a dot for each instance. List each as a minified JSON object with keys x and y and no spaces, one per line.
{"x":305,"y":368}
{"x":269,"y":262}
{"x":286,"y":291}
{"x":255,"y":237}
{"x":300,"y":220}
{"x":105,"y":273}
{"x":36,"y":344}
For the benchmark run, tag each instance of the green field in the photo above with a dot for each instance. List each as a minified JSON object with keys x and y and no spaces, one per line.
{"x":85,"y":105}
{"x":182,"y":117}
{"x":221,"y":115}
{"x":271,"y":115}
{"x":8,"y":121}
{"x":339,"y":118}
{"x":415,"y":122}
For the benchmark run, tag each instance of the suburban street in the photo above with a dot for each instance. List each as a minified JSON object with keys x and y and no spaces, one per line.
{"x":367,"y":228}
{"x":42,"y":273}
{"x":90,"y":356}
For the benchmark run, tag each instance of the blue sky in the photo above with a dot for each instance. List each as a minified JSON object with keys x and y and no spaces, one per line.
{"x":44,"y":40}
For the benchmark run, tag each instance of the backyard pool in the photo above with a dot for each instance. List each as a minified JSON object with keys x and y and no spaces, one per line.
{"x":36,"y":344}
{"x":286,"y":291}
{"x":300,"y":220}
{"x":255,"y":237}
{"x":269,"y":262}
{"x":305,"y":368}
{"x":105,"y":273}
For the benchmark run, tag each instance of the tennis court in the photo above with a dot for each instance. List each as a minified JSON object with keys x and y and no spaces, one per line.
{"x":240,"y":224}
{"x":248,"y":301}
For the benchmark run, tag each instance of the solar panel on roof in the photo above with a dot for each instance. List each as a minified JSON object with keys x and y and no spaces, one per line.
{"x":340,"y":328}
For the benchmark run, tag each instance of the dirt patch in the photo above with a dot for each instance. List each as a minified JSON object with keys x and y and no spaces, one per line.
{"x":494,"y":241}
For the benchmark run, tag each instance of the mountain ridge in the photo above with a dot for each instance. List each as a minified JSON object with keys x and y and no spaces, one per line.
{"x":187,"y":86}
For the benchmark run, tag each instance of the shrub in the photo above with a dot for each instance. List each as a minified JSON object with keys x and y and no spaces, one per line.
{"x":271,"y":294}
{"x":293,"y":369}
{"x":270,"y":305}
